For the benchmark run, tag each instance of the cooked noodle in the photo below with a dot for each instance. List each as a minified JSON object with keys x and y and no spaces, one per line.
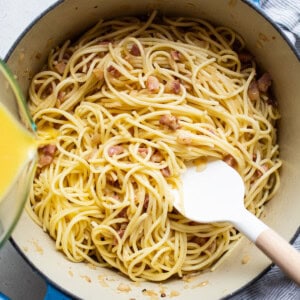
{"x":128,"y":106}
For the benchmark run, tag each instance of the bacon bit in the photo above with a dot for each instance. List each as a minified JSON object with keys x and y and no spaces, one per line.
{"x":173,"y":86}
{"x":49,"y":149}
{"x":253,"y":91}
{"x":47,"y":154}
{"x":131,"y":130}
{"x":229,"y":159}
{"x":143,"y":151}
{"x":115,"y":150}
{"x":99,"y":74}
{"x":245,"y":56}
{"x":135,"y":50}
{"x":259,"y":173}
{"x":61,"y":96}
{"x":265,"y":167}
{"x":170,"y":121}
{"x":201,"y":241}
{"x":152,"y":84}
{"x":112,"y":178}
{"x":184,"y":138}
{"x":212,"y":247}
{"x":113,"y":71}
{"x":264,"y":82}
{"x":60,"y":67}
{"x":156,"y":157}
{"x":120,"y":232}
{"x":166,"y":172}
{"x":123,"y":213}
{"x":175,"y":55}
{"x":48,"y":90}
{"x":37,"y":87}
{"x":146,"y":202}
{"x":272,"y":101}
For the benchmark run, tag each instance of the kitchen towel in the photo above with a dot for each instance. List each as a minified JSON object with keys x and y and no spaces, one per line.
{"x":274,"y":284}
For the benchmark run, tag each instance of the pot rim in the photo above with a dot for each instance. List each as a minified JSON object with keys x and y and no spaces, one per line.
{"x":253,"y":6}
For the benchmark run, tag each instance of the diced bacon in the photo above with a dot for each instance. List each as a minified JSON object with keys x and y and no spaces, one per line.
{"x":49,"y":149}
{"x":45,"y":160}
{"x":201,"y":241}
{"x":264,"y":82}
{"x":166,"y":172}
{"x":131,"y":130}
{"x":253,"y":91}
{"x":245,"y":56}
{"x":61,"y":95}
{"x":272,"y":101}
{"x":60,"y":67}
{"x":152,"y":84}
{"x":121,"y":232}
{"x":230,"y":160}
{"x":99,"y":74}
{"x":175,"y":55}
{"x":212,"y":247}
{"x":135,"y":50}
{"x":259,"y":173}
{"x":111,"y":178}
{"x":115,"y":195}
{"x":48,"y":90}
{"x":115,"y":150}
{"x":146,"y":202}
{"x":173,"y":86}
{"x":156,"y":157}
{"x":113,"y":71}
{"x":143,"y":151}
{"x":170,"y":121}
{"x":123,"y":213}
{"x":184,"y":138}
{"x":46,"y":155}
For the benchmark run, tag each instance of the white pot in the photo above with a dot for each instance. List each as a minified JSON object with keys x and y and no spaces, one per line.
{"x":272,"y":51}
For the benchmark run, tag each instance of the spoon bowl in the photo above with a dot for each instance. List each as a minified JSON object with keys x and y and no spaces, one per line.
{"x":216,"y":194}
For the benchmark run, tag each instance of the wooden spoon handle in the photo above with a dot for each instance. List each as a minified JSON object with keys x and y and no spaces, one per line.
{"x":280,"y":252}
{"x":271,"y":243}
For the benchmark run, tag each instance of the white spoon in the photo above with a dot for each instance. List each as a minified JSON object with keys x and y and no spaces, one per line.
{"x":216,"y":194}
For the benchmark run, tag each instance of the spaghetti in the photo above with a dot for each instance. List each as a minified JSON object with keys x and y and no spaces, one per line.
{"x":120,"y":113}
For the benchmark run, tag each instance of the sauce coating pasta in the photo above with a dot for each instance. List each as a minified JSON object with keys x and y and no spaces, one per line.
{"x":121,"y":112}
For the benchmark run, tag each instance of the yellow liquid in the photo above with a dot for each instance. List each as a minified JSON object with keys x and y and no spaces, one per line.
{"x":17,"y":147}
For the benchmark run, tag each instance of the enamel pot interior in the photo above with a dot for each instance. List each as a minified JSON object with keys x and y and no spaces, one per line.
{"x":68,"y":19}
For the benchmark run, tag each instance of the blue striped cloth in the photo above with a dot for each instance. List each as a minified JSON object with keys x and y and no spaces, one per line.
{"x":286,"y":13}
{"x":274,"y":284}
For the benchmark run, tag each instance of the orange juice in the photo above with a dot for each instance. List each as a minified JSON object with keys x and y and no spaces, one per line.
{"x":17,"y":146}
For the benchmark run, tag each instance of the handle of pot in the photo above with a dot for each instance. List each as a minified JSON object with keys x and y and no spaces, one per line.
{"x":53,"y":293}
{"x":3,"y":297}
